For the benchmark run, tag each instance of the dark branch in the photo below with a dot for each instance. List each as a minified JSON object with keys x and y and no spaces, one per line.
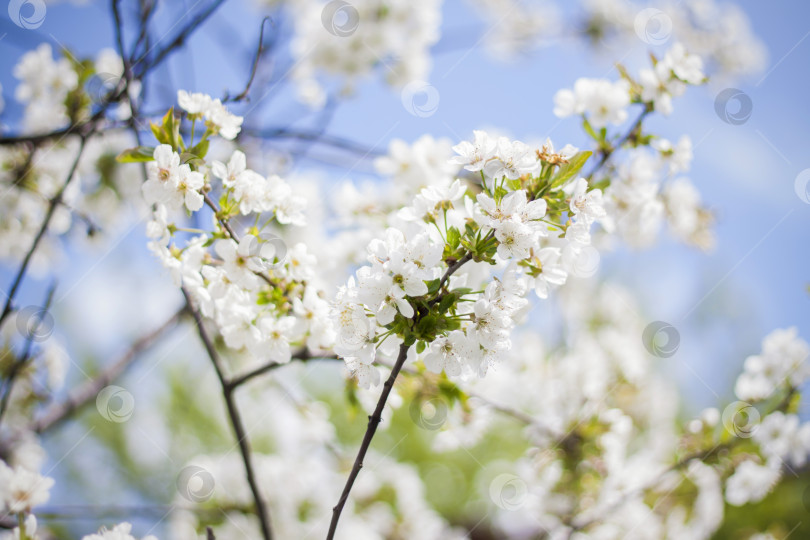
{"x":634,"y":131}
{"x":178,"y":40}
{"x":88,"y":391}
{"x":20,"y":364}
{"x":373,"y":421}
{"x":244,"y":92}
{"x":54,"y":202}
{"x":235,"y":419}
{"x":303,"y":355}
{"x":313,"y":136}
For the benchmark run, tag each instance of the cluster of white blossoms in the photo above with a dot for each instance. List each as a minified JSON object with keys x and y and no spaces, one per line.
{"x":347,"y":40}
{"x":260,"y":293}
{"x":599,"y":404}
{"x":604,"y":102}
{"x":118,"y":532}
{"x":343,"y":42}
{"x":448,"y":250}
{"x":50,"y":89}
{"x":44,"y":86}
{"x":781,"y":364}
{"x":783,"y":441}
{"x":718,"y":31}
{"x":217,"y":117}
{"x":528,"y":216}
{"x":644,"y":188}
{"x":98,"y":199}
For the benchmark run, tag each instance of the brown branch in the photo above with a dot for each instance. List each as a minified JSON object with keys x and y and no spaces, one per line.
{"x":18,"y":366}
{"x":376,"y":418}
{"x":244,"y":92}
{"x":302,"y":355}
{"x":222,"y":221}
{"x":312,"y":136}
{"x":373,"y":421}
{"x":178,"y":40}
{"x":87,"y":392}
{"x":54,"y":202}
{"x":235,"y":419}
{"x":634,"y":130}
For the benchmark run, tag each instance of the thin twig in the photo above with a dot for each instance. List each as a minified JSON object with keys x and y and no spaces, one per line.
{"x":54,"y":202}
{"x":235,"y":419}
{"x":303,"y":355}
{"x":373,"y":421}
{"x":312,"y":136}
{"x":222,"y":221}
{"x":18,"y":366}
{"x":178,"y":40}
{"x":607,"y":153}
{"x":88,"y":391}
{"x":244,"y":92}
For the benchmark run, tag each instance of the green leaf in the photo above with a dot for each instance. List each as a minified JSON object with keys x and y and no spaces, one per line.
{"x":426,"y":325}
{"x":588,"y":129}
{"x":420,"y":346}
{"x":570,"y":169}
{"x":157,"y":131}
{"x":139,"y":154}
{"x":453,"y":237}
{"x":171,"y":129}
{"x":447,"y":302}
{"x":200,"y":149}
{"x":433,"y":285}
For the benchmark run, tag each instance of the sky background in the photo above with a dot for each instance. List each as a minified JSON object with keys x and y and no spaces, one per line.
{"x":722,"y":303}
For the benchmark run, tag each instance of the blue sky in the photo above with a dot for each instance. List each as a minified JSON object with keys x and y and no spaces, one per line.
{"x":722,"y":303}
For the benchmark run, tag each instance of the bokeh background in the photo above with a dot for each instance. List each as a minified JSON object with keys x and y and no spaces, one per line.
{"x":722,"y":303}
